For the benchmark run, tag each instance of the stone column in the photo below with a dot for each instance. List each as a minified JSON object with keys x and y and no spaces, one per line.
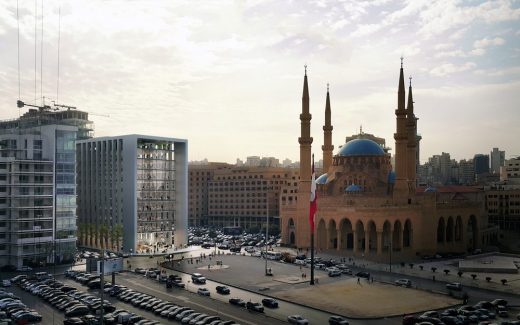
{"x":328,"y":244}
{"x":379,"y":242}
{"x":401,"y":239}
{"x":340,"y":240}
{"x":367,"y":242}
{"x":355,"y":243}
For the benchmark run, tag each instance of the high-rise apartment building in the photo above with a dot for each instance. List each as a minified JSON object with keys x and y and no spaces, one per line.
{"x":132,"y":192}
{"x":224,"y":195}
{"x":497,"y":160}
{"x":199,"y":178}
{"x":37,"y":185}
{"x":481,"y":163}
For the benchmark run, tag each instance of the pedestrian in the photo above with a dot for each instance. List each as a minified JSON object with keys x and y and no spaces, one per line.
{"x":358,"y":280}
{"x":300,"y":267}
{"x":434,"y":278}
{"x":317,"y":281}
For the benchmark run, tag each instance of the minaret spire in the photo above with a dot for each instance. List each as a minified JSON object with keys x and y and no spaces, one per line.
{"x":409,"y":111}
{"x":400,"y":91}
{"x":401,"y":190}
{"x":327,"y":147}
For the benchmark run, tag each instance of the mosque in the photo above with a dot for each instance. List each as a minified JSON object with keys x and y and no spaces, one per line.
{"x":367,"y":207}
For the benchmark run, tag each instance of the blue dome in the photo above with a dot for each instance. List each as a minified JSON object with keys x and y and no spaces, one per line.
{"x":322,"y":179}
{"x":361,"y":147}
{"x":353,"y":188}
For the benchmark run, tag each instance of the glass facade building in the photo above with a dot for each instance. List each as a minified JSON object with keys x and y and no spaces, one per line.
{"x":37,"y":186}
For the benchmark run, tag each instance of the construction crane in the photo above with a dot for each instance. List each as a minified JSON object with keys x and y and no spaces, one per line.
{"x":56,"y":107}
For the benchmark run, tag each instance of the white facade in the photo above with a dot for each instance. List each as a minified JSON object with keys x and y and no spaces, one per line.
{"x":37,"y":186}
{"x":510,"y":172}
{"x":132,"y":192}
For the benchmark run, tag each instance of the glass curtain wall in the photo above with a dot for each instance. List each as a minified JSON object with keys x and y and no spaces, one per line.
{"x":155,"y":195}
{"x":65,"y":182}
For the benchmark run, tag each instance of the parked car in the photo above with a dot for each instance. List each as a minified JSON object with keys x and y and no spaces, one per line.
{"x":337,"y":320}
{"x":237,"y":302}
{"x":455,"y":286}
{"x":363,"y":274}
{"x":24,"y":268}
{"x":255,"y":306}
{"x":403,"y":282}
{"x":270,"y":302}
{"x":223,"y":290}
{"x":6,"y":283}
{"x":203,"y":292}
{"x":334,"y":273}
{"x":297,"y":319}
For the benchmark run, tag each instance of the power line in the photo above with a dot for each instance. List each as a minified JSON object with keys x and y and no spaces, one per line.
{"x":41,"y":61}
{"x":18,"y":22}
{"x":35,"y":46}
{"x":58,"y":78}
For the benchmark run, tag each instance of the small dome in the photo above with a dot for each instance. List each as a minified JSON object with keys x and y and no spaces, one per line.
{"x":430,"y":189}
{"x":361,"y":147}
{"x":322,"y":179}
{"x":353,"y":188}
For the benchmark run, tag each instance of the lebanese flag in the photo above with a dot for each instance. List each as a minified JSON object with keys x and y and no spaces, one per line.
{"x":314,"y":198}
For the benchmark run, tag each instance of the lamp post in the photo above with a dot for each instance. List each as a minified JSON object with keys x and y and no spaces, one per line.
{"x":266,"y":229}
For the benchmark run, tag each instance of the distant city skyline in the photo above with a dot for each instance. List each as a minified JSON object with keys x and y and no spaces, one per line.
{"x":228,"y":75}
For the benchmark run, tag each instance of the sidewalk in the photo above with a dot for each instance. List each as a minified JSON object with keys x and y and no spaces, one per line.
{"x":512,"y":286}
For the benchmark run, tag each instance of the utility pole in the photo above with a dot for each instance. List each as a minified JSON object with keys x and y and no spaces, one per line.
{"x":266,"y":228}
{"x":102,"y":286}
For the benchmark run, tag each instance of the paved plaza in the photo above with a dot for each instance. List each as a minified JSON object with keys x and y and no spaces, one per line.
{"x":344,"y":295}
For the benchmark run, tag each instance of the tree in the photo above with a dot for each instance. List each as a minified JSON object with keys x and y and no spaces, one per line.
{"x":411,"y":265}
{"x":434,"y":269}
{"x":447,"y":271}
{"x":118,"y":235}
{"x":474,"y":276}
{"x":460,"y":273}
{"x":488,"y":279}
{"x":103,"y":235}
{"x":504,"y":281}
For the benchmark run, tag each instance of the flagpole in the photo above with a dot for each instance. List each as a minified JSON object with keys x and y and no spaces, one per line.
{"x":312,"y":239}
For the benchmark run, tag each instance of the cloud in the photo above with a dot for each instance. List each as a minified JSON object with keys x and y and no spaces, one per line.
{"x":450,"y":68}
{"x":485,"y":42}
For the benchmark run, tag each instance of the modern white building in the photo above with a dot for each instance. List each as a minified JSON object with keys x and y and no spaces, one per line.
{"x":510,"y":172}
{"x":37,"y":185}
{"x":132,"y":192}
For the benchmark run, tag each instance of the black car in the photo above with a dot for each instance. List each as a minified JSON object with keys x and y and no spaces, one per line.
{"x":29,"y":317}
{"x":255,"y":306}
{"x":223,"y":290}
{"x":363,"y":274}
{"x":337,"y":320}
{"x":270,"y":302}
{"x":237,"y":302}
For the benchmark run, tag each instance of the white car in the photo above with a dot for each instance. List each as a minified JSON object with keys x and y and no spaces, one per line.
{"x":297,"y":319}
{"x":203,"y":292}
{"x":24,"y":269}
{"x":6,"y":283}
{"x":403,"y":282}
{"x":331,"y":268}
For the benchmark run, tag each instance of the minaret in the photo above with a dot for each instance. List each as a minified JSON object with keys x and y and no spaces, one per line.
{"x":401,"y":141}
{"x":305,"y":139}
{"x":411,"y":127}
{"x":327,"y":137}
{"x":304,"y":188}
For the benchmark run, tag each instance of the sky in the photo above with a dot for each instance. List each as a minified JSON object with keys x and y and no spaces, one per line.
{"x":228,"y":75}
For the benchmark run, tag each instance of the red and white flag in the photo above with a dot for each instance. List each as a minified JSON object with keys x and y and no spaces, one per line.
{"x":314,"y":199}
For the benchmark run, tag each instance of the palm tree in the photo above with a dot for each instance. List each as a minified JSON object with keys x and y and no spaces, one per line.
{"x":118,"y":235}
{"x":103,"y":234}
